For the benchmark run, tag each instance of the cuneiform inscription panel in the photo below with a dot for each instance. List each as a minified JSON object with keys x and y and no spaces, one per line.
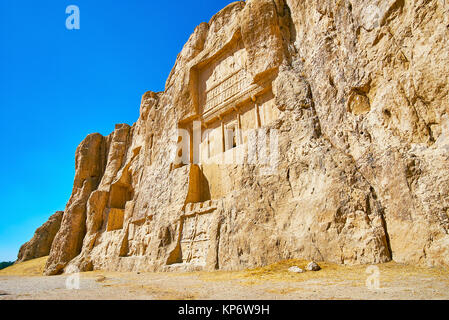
{"x":231,"y":86}
{"x":224,"y":77}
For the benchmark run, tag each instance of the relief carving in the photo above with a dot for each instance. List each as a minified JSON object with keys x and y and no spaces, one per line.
{"x":223,"y":78}
{"x":195,"y":236}
{"x":228,"y":88}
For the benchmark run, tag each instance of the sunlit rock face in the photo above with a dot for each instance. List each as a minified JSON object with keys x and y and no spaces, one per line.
{"x":40,"y":245}
{"x":287,"y":129}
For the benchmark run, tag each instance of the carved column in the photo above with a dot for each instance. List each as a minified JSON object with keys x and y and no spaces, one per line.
{"x":223,"y":146}
{"x":239,"y":128}
{"x":256,"y":110}
{"x":208,"y":145}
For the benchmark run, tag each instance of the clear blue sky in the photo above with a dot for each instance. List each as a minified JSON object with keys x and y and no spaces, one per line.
{"x":59,"y":85}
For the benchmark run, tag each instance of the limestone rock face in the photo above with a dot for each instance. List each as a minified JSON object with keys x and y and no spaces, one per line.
{"x":89,"y":166}
{"x":40,"y":244}
{"x":301,"y":129}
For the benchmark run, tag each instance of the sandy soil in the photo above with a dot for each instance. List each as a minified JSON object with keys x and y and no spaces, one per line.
{"x":272,"y":282}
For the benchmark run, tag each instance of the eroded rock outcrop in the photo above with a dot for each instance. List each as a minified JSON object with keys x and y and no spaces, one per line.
{"x":40,"y":244}
{"x":89,"y":167}
{"x":287,"y":129}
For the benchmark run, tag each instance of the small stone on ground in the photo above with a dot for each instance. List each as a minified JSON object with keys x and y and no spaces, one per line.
{"x":295,"y":269}
{"x":313,"y":266}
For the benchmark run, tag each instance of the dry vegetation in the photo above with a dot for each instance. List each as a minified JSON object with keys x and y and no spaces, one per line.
{"x":33,"y":267}
{"x":276,"y":272}
{"x":332,"y":273}
{"x":270,"y":282}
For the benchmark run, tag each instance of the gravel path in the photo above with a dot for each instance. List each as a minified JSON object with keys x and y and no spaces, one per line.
{"x":194,"y":286}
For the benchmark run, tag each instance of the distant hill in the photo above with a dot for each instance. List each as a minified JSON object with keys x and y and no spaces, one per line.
{"x":5,"y":264}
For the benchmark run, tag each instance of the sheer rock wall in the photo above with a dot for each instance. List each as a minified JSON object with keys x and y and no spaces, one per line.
{"x":357,"y":95}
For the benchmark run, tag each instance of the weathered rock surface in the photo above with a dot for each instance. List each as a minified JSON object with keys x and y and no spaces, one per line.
{"x":40,"y":244}
{"x":350,"y":96}
{"x":295,"y":269}
{"x":313,"y":266}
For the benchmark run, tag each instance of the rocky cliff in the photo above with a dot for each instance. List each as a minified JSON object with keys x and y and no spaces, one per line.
{"x":287,"y":129}
{"x":40,"y":244}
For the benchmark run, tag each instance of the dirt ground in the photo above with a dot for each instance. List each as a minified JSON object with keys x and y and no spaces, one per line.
{"x":24,"y":281}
